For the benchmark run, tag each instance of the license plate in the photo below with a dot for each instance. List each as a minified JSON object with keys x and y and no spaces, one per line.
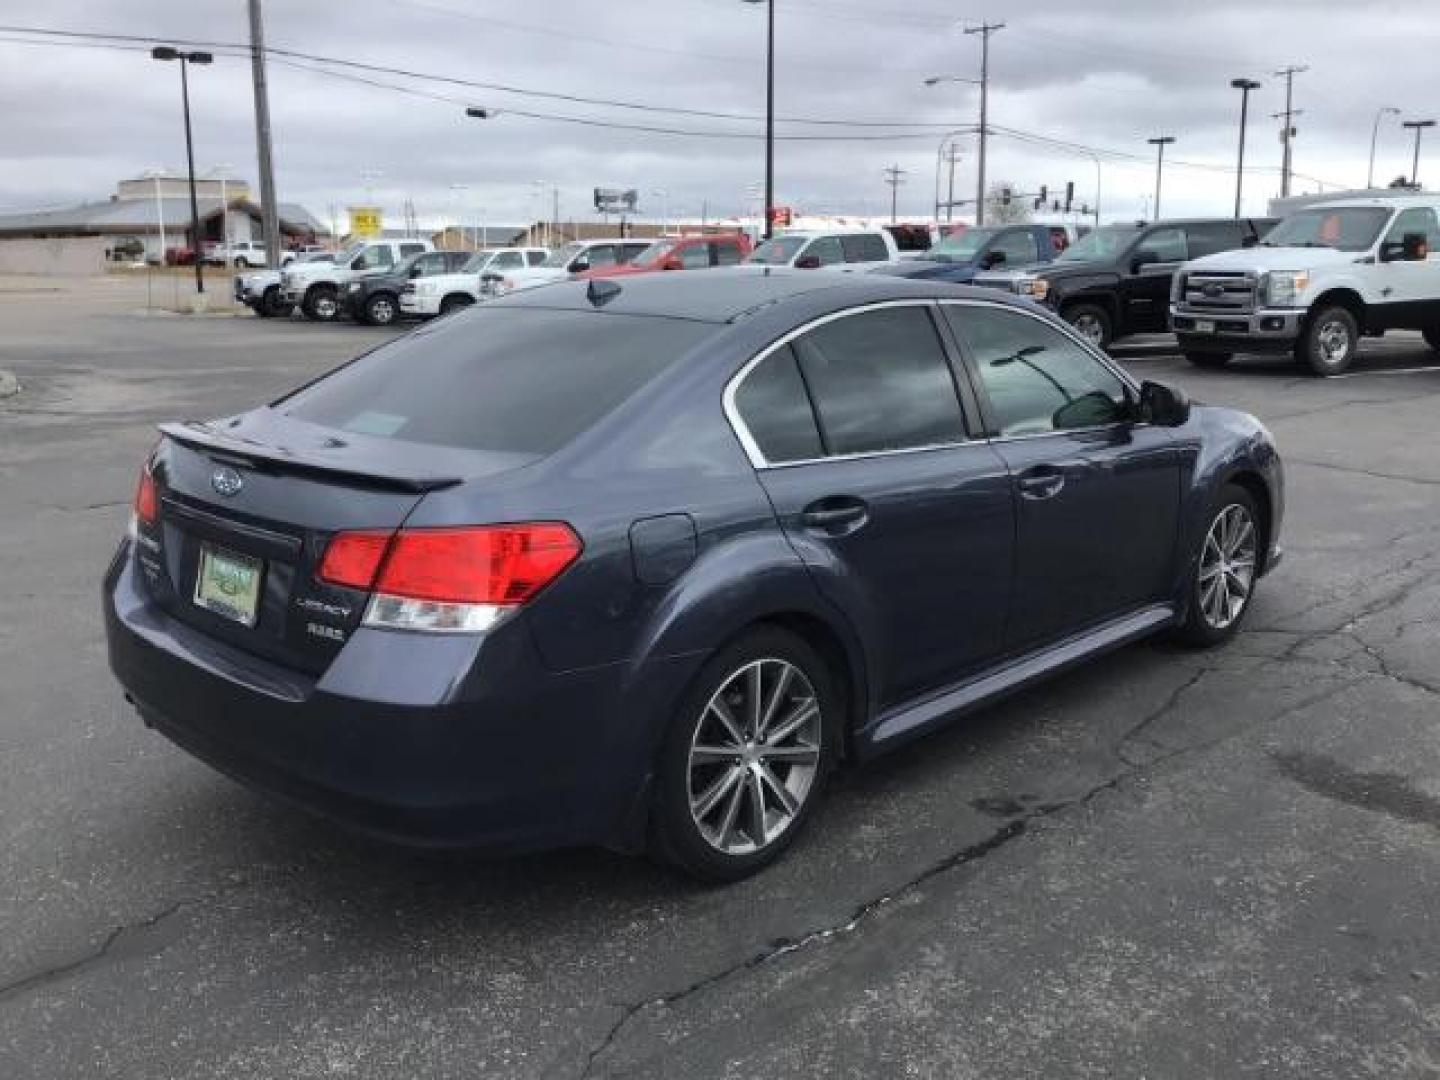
{"x":229,"y":584}
{"x":1204,"y":326}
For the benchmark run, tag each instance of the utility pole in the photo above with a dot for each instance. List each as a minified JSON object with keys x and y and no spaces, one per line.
{"x":954,"y":156}
{"x":894,"y":176}
{"x":1159,"y":142}
{"x":1289,"y":114}
{"x":269,"y":208}
{"x":984,"y":30}
{"x":1374,"y":137}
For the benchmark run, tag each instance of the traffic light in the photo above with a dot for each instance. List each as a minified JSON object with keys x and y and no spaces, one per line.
{"x":1005,"y":194}
{"x":1069,"y":194}
{"x":1040,"y":199}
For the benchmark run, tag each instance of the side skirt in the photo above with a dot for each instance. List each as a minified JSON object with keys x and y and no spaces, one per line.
{"x":902,"y":723}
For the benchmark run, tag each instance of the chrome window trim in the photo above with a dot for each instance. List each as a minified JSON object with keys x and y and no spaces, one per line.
{"x":742,"y":431}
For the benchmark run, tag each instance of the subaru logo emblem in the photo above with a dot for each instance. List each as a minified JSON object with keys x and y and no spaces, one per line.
{"x":226,"y":481}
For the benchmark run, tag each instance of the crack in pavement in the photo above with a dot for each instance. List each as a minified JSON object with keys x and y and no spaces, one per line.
{"x":1134,"y":734}
{"x":1010,"y":831}
{"x":1373,"y":474}
{"x":118,"y":937}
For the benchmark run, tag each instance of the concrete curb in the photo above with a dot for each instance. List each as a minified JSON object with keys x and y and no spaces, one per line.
{"x":9,"y":385}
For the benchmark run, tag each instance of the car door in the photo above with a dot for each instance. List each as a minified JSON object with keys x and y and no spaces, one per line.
{"x":1096,"y":495}
{"x":857,"y":431}
{"x":1408,"y":289}
{"x":1145,"y":279}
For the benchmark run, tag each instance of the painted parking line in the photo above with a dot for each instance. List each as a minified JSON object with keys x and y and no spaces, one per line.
{"x":1387,"y":371}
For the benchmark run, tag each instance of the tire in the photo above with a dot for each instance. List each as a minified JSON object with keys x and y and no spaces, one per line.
{"x":1233,"y":531}
{"x":321,"y":304}
{"x":454,"y":303}
{"x":1328,"y":344}
{"x":718,"y":842}
{"x":270,"y":305}
{"x":382,"y":309}
{"x":1210,"y":359}
{"x":1092,"y":322}
{"x":1432,"y":337}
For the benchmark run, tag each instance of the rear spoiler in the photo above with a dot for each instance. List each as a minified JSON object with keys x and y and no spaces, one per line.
{"x":380,"y":471}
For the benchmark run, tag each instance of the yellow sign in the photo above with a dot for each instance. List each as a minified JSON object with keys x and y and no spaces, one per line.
{"x":365,"y":221}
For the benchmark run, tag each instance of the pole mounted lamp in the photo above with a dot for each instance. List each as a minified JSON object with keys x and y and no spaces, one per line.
{"x":1244,"y":86}
{"x":769,"y":114}
{"x":1417,"y":126}
{"x":1159,"y":142}
{"x":169,"y":52}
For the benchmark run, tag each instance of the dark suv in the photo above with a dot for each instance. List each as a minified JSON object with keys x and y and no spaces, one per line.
{"x":1116,"y":280}
{"x":374,"y":298}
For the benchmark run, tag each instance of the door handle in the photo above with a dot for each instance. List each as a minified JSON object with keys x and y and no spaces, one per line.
{"x":836,"y":515}
{"x":1041,"y":482}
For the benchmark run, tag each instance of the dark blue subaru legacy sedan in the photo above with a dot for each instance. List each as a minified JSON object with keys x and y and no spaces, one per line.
{"x":638,"y":564}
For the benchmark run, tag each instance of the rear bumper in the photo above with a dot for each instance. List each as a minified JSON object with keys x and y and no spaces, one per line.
{"x":427,"y":741}
{"x":1265,"y":330}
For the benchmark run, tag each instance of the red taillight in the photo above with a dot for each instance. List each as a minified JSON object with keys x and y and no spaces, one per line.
{"x":147,"y":502}
{"x":352,"y":558}
{"x":489,"y":564}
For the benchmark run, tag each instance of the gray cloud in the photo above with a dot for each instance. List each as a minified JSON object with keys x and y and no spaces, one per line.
{"x":1108,"y":73}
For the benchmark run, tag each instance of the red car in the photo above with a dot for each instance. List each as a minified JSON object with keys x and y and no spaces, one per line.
{"x":680,"y":253}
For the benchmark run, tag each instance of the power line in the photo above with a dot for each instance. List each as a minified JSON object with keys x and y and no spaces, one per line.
{"x":504,"y":88}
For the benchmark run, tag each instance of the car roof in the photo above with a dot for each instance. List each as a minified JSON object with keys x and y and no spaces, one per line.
{"x":1388,"y":202}
{"x":810,"y":234}
{"x":726,"y":294}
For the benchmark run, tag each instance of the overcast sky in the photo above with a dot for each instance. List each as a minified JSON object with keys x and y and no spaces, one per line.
{"x":1104,"y":73}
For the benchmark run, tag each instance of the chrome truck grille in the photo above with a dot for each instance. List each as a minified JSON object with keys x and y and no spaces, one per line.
{"x":1219,"y":292}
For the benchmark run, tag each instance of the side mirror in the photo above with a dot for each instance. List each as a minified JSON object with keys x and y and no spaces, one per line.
{"x":808,"y":262}
{"x":1163,"y":406}
{"x":580,"y":265}
{"x":417,"y":270}
{"x":993,"y":259}
{"x":1143,"y":258}
{"x":671,"y":263}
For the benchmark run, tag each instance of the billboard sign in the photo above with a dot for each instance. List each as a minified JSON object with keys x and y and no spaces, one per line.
{"x":616,"y":200}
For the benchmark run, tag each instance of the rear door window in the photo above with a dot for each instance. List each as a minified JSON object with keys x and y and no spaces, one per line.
{"x":411,"y":249}
{"x":694,"y":256}
{"x":1018,"y":246}
{"x":535,"y":258}
{"x":865,"y":247}
{"x":880,"y":381}
{"x":1214,"y":237}
{"x":728,"y":253}
{"x":509,"y":380}
{"x":373,"y":258}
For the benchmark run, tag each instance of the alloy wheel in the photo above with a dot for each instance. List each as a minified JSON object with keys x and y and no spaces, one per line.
{"x":1088,"y":326}
{"x":382,"y":311}
{"x":326,"y":307}
{"x":1227,"y":566}
{"x":754,"y":756}
{"x":1333,"y":340}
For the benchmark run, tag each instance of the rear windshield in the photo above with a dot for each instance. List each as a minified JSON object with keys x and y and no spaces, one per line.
{"x":513,"y":380}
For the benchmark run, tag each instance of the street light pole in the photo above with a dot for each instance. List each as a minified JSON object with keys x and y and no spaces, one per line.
{"x":984,"y":30}
{"x":769,"y":114}
{"x":1374,"y":136}
{"x":167,"y":52}
{"x":1159,"y":142}
{"x":1419,"y":126}
{"x":1244,"y":86}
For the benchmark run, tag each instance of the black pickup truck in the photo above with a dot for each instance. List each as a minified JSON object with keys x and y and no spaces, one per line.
{"x":1115,"y":281}
{"x":374,"y":298}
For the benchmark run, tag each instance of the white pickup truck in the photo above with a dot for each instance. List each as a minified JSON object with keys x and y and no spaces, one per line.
{"x":1315,"y":284}
{"x":441,"y":294}
{"x":316,"y":286}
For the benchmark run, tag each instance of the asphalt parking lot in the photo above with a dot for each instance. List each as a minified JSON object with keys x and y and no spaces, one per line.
{"x":1167,"y":864}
